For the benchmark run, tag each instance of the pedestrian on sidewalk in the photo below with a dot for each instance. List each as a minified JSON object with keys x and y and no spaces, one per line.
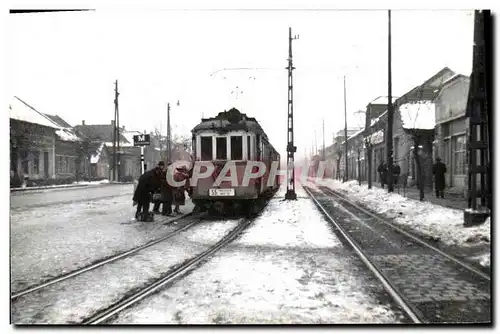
{"x":382,"y":172}
{"x":439,"y":171}
{"x":396,"y":170}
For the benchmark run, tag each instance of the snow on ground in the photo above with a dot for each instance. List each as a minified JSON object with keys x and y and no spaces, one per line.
{"x":286,"y":268}
{"x":79,"y":183}
{"x":76,"y":299}
{"x":290,"y":224}
{"x":424,"y":217}
{"x":55,"y":239}
{"x":428,"y":218}
{"x":92,"y":182}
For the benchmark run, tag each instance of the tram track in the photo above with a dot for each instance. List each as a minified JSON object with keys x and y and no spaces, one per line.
{"x":430,"y":285}
{"x":169,"y":278}
{"x":103,"y":261}
{"x":154,"y":268}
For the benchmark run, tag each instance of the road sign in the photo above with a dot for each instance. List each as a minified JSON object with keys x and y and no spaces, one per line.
{"x":141,"y":140}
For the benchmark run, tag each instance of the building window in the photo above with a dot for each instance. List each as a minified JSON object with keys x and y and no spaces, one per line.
{"x":36,"y":162}
{"x":24,"y":162}
{"x":446,"y":129}
{"x":446,"y":153}
{"x":459,"y":152}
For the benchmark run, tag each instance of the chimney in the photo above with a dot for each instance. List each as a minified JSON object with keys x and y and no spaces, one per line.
{"x":113,"y":122}
{"x":83,"y":122}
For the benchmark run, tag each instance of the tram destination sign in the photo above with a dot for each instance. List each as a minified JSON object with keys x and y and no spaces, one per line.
{"x":142,"y":140}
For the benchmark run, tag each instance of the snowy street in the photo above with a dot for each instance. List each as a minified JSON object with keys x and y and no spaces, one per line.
{"x":53,"y":239}
{"x":44,"y":197}
{"x":74,"y":300}
{"x":288,"y":267}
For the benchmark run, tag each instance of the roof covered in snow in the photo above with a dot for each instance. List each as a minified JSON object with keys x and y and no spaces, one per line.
{"x":418,"y":115}
{"x":383,"y":100}
{"x":66,"y":131}
{"x":21,"y":111}
{"x":375,"y":120}
{"x":58,"y":120}
{"x":68,"y":135}
{"x":99,"y":132}
{"x":453,"y":78}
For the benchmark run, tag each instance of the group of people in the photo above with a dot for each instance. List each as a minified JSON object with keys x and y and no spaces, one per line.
{"x":438,"y":170}
{"x":383,"y":171}
{"x":153,"y":187}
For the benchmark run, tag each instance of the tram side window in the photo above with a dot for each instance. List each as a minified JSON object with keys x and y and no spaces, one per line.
{"x":249,"y":148}
{"x":221,"y":148}
{"x":206,"y":148}
{"x":236,"y":148}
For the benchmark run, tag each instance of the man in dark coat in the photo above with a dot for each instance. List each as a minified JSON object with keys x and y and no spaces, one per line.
{"x":439,"y":169}
{"x":396,"y":170}
{"x":166,"y":197}
{"x":149,"y":183}
{"x":382,"y":171}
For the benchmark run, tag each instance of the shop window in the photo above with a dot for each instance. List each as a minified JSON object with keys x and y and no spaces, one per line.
{"x":459,"y":155}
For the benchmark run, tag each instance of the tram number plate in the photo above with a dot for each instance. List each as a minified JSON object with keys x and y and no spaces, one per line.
{"x":221,"y":192}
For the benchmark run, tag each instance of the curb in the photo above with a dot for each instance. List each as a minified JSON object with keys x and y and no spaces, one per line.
{"x":66,"y":186}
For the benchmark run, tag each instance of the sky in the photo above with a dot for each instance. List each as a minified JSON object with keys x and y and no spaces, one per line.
{"x":67,"y":63}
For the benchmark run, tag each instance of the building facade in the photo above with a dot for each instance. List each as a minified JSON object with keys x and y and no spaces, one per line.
{"x":451,"y":135}
{"x":32,"y":144}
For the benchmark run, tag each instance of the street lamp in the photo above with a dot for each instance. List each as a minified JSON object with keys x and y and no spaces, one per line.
{"x":169,"y":132}
{"x":359,"y":120}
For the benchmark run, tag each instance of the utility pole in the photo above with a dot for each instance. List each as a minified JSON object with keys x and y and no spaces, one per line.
{"x":143,"y":165}
{"x":117,"y":125}
{"x":346,"y":174}
{"x":324,"y":153}
{"x":479,"y":141}
{"x":291,"y":149}
{"x":169,"y":136}
{"x":390,"y":116}
{"x":315,"y":144}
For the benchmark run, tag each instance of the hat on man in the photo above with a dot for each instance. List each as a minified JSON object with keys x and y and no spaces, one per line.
{"x":161,"y":164}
